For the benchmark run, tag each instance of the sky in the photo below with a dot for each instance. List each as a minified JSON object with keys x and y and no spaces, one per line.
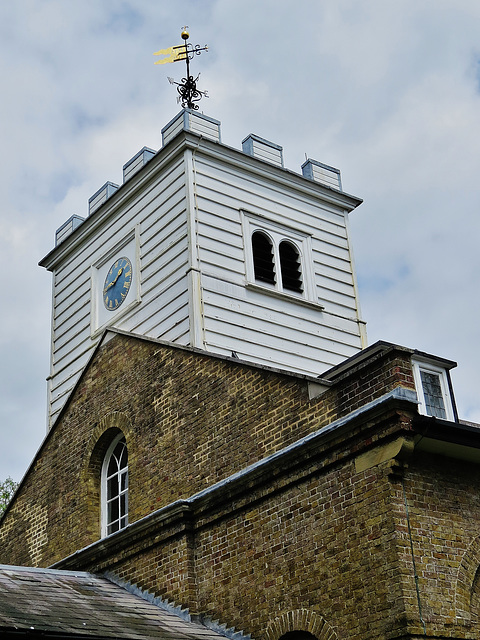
{"x":387,"y":91}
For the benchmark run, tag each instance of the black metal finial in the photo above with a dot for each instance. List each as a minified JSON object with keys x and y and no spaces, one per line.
{"x":187,"y":88}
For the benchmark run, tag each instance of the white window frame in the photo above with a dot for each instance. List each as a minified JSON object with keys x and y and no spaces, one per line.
{"x":103,"y":492}
{"x":429,"y":367}
{"x":276,"y":234}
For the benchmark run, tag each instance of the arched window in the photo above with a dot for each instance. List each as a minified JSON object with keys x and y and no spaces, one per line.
{"x":263,"y":265}
{"x":115,"y":487}
{"x":290,"y":266}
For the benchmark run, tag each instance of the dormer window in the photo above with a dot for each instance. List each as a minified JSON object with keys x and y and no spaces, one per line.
{"x":433,"y":390}
{"x":278,"y":258}
{"x":433,"y":394}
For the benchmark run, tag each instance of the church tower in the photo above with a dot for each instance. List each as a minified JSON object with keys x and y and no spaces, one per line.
{"x":212,"y":247}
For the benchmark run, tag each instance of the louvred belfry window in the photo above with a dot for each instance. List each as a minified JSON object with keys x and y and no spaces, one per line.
{"x":115,"y":487}
{"x":290,"y":267}
{"x":278,"y":259}
{"x":263,"y":264}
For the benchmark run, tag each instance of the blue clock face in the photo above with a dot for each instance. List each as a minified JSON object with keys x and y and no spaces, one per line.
{"x":117,"y":283}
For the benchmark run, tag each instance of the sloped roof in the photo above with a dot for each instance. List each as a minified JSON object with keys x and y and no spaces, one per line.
{"x":53,"y":603}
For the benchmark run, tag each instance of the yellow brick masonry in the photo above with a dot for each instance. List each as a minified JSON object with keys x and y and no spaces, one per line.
{"x":315,"y":542}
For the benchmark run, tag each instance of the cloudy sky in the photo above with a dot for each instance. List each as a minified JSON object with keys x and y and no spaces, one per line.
{"x":387,"y":91}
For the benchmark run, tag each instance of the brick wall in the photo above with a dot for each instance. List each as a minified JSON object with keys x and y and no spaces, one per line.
{"x":328,"y":540}
{"x":311,"y":532}
{"x":189,"y":420}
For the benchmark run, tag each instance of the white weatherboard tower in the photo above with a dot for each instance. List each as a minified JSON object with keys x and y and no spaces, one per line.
{"x":209,"y":246}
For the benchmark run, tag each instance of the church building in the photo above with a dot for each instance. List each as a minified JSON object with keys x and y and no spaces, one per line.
{"x":226,"y":457}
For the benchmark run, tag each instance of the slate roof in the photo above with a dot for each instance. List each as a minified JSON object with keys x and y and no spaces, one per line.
{"x":71,"y":604}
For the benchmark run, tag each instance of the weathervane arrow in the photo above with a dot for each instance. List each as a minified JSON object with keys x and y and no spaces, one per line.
{"x":173,"y":54}
{"x":187,"y":88}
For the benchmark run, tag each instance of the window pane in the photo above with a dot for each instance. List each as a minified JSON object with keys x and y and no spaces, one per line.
{"x":123,"y":457}
{"x":113,"y":527}
{"x":112,"y":510}
{"x":112,"y":488}
{"x":290,"y":267}
{"x":432,"y":391}
{"x":123,"y":504}
{"x":263,"y":258}
{"x":117,"y":452}
{"x":112,"y":466}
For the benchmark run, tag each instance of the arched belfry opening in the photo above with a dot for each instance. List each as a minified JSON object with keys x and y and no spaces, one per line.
{"x":263,"y":263}
{"x":290,"y":266}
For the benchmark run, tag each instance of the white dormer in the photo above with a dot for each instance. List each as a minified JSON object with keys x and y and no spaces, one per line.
{"x":434,"y":389}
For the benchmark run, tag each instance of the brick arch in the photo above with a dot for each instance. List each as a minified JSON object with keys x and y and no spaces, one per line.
{"x":467,"y":580}
{"x":114,"y":420}
{"x":101,"y":437}
{"x":300,"y":620}
{"x":475,"y":599}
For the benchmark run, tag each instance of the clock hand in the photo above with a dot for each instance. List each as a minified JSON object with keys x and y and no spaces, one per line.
{"x":120,"y":271}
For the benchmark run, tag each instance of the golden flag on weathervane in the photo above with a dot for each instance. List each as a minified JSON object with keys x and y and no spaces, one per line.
{"x":172,"y":54}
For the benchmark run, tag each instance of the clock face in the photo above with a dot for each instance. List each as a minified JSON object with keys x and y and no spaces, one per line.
{"x":117,"y":283}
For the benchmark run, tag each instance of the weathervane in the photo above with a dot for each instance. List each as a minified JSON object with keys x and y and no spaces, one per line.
{"x":187,"y":88}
